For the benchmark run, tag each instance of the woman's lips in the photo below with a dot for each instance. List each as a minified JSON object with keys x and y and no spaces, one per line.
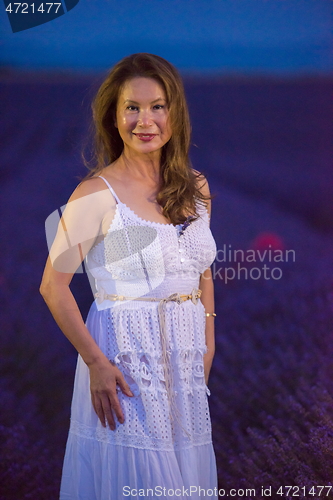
{"x":145,"y":137}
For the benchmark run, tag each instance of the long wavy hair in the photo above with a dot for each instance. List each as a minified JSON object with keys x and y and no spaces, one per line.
{"x":179,"y":182}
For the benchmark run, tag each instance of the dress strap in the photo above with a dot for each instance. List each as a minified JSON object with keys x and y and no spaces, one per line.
{"x":111,"y":189}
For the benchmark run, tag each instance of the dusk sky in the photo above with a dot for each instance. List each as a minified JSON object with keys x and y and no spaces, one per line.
{"x":215,"y":36}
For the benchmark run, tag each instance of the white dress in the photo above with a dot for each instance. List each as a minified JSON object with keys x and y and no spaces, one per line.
{"x":156,"y":452}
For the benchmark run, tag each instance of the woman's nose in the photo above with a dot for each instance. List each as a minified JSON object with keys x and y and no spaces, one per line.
{"x":144,"y":119}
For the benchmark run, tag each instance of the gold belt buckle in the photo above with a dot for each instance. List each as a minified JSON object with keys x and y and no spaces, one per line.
{"x":179,"y":299}
{"x":195,"y":294}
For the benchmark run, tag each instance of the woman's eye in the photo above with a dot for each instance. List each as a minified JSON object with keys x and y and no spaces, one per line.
{"x":131,"y":107}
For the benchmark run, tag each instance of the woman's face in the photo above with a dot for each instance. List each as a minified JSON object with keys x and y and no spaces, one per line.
{"x":142,"y":116}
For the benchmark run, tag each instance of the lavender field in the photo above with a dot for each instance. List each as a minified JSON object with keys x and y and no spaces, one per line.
{"x":266,"y":149}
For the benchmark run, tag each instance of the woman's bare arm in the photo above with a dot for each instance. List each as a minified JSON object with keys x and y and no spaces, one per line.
{"x":207,"y":298}
{"x":79,"y":230}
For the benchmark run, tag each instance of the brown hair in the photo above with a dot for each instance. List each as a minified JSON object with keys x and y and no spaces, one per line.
{"x":179,"y":189}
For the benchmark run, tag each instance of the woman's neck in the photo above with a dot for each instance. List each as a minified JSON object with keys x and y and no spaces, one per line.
{"x":142,"y":169}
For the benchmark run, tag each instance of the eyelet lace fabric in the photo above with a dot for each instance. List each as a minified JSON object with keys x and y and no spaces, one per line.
{"x":140,"y":258}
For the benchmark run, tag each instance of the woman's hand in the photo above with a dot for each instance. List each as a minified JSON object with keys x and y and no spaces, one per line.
{"x":104,"y":377}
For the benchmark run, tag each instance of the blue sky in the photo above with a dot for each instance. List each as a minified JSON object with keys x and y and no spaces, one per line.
{"x":198,"y":36}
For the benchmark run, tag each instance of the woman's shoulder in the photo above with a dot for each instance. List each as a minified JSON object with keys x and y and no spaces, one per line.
{"x":92,"y":198}
{"x":88,"y":187}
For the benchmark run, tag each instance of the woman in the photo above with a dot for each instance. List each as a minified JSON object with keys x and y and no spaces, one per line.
{"x":140,"y":422}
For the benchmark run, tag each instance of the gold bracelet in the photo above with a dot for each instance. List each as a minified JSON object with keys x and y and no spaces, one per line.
{"x":210,"y":314}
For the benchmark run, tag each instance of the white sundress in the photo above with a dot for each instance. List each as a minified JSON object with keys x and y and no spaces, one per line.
{"x":152,"y":454}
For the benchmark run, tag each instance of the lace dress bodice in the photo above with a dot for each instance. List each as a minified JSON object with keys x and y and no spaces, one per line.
{"x":139,"y":257}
